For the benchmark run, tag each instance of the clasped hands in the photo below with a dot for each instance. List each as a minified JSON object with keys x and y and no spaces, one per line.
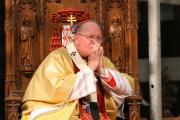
{"x":95,"y":58}
{"x":95,"y":63}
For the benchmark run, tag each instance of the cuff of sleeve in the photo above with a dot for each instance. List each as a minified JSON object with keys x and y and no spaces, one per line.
{"x":109,"y":80}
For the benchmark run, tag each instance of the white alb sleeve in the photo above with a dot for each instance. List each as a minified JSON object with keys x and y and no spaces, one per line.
{"x":85,"y":84}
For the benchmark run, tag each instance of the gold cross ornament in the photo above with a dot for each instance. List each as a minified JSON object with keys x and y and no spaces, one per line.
{"x":71,"y":19}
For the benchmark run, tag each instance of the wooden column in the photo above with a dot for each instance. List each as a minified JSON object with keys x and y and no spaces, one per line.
{"x":134,"y":101}
{"x":131,"y":28}
{"x":10,"y":58}
{"x":41,"y":26}
{"x":10,"y":49}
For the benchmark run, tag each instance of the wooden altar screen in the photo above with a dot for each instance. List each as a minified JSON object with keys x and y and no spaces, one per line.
{"x":29,"y":29}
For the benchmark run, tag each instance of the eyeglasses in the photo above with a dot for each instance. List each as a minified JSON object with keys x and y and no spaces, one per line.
{"x":91,"y":37}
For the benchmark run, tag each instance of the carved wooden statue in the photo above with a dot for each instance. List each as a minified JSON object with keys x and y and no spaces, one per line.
{"x":116,"y":42}
{"x":26,"y":39}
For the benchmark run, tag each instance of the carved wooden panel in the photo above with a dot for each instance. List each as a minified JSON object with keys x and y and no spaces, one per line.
{"x":29,"y":29}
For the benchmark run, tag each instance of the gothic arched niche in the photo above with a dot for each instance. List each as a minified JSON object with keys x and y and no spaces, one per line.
{"x":26,"y":37}
{"x":117,"y":43}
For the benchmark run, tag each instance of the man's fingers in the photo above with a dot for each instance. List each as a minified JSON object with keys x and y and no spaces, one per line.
{"x":102,"y":50}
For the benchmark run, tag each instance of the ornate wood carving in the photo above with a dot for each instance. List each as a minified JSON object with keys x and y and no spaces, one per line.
{"x":20,"y":42}
{"x":26,"y":39}
{"x":13,"y":101}
{"x":131,"y":29}
{"x":134,"y":103}
{"x":116,"y":39}
{"x":27,"y":4}
{"x":29,"y":30}
{"x":63,"y":15}
{"x":115,"y":21}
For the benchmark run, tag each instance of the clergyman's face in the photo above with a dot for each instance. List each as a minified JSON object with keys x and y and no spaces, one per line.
{"x":85,"y":38}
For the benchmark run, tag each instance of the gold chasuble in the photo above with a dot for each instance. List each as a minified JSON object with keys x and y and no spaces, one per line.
{"x":51,"y":86}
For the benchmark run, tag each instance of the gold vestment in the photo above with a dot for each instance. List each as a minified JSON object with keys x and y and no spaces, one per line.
{"x":52,"y":84}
